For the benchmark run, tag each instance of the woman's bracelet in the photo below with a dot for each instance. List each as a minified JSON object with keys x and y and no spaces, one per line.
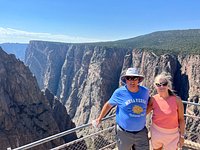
{"x":182,"y":136}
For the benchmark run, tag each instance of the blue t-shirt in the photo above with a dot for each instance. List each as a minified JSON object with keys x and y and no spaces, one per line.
{"x":131,"y":107}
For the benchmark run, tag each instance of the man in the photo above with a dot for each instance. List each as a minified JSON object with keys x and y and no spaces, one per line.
{"x":131,"y":101}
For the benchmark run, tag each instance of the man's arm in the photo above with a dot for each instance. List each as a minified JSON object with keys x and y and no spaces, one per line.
{"x":149,"y":106}
{"x":106,"y":108}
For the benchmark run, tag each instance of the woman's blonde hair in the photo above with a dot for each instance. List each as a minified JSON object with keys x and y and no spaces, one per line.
{"x":167,"y":77}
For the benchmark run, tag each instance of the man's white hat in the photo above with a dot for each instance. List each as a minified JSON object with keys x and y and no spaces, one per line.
{"x":132,"y":72}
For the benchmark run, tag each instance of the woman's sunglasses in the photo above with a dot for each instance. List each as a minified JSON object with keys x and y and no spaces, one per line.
{"x":161,"y":84}
{"x":131,"y":78}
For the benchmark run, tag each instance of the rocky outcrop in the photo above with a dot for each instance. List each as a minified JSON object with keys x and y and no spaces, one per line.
{"x":61,"y":116}
{"x":25,"y":113}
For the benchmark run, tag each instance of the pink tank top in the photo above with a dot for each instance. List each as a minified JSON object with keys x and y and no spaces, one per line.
{"x":165,"y":112}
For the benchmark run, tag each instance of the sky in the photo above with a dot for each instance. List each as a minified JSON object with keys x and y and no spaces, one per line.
{"x":80,"y":21}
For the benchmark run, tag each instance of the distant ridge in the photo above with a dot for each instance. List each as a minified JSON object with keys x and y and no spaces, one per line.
{"x":175,"y":41}
{"x":187,"y":41}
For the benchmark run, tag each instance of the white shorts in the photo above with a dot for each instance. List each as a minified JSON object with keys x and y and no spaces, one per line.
{"x":166,"y":138}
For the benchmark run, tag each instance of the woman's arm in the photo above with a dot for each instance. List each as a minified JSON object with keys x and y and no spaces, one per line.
{"x":181,"y":121}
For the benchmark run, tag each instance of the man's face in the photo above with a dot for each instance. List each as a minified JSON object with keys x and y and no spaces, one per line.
{"x":132,"y":81}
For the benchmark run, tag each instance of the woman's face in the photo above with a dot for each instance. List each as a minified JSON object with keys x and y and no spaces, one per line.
{"x":161,"y":85}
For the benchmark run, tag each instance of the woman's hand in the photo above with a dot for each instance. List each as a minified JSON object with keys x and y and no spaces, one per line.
{"x":181,"y":142}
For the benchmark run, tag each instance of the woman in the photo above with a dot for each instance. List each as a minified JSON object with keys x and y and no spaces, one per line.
{"x":167,"y":129}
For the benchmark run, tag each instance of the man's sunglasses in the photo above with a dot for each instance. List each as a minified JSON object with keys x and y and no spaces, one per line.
{"x":161,"y":84}
{"x":131,"y":78}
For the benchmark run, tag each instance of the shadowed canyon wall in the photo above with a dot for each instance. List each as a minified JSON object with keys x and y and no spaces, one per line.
{"x":26,"y":113}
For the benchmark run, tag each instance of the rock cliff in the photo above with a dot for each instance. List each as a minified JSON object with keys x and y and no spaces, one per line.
{"x":25,"y":112}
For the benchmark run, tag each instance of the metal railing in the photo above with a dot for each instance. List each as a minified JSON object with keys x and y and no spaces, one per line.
{"x":103,"y":137}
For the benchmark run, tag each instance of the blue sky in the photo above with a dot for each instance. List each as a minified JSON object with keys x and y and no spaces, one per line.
{"x":93,"y":20}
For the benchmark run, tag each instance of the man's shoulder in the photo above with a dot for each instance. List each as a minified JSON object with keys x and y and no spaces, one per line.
{"x":120,"y":89}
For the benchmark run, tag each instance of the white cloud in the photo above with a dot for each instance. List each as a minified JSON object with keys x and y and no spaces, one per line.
{"x":8,"y":35}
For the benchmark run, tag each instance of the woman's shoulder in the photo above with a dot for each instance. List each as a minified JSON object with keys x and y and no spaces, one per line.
{"x":178,"y":99}
{"x":175,"y":97}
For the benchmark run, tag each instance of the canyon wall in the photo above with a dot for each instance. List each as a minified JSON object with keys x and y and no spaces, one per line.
{"x":84,"y":76}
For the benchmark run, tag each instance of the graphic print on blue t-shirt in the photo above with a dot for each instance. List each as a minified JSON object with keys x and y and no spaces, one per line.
{"x":131,"y":107}
{"x":135,"y":106}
